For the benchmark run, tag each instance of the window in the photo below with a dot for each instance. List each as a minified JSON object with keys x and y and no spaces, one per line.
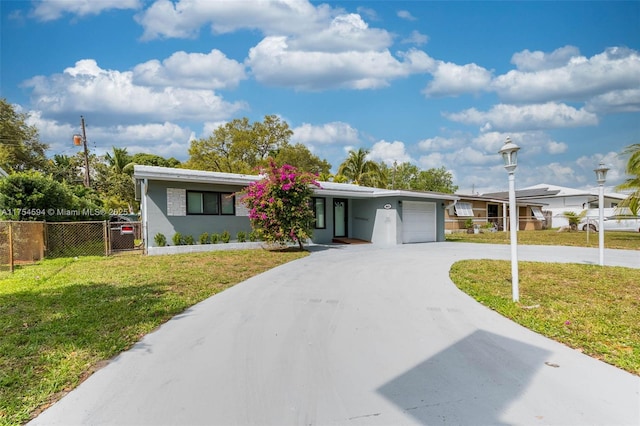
{"x":464,"y":209}
{"x":537,"y":213}
{"x":228,"y":203}
{"x":211,"y":203}
{"x":319,"y":212}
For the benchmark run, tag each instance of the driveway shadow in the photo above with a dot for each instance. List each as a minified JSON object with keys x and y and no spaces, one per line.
{"x":471,"y":382}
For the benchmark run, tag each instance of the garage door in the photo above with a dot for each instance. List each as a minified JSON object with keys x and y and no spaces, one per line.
{"x":418,"y":222}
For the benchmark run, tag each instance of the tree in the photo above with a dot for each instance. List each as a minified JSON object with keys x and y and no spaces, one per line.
{"x":64,"y":168}
{"x":436,"y":180}
{"x":115,"y":182}
{"x":280,"y":204}
{"x":633,"y":181}
{"x":20,"y":148}
{"x":360,"y":171}
{"x":154,"y":160}
{"x":239,"y":146}
{"x":301,"y":158}
{"x":401,"y":176}
{"x":31,"y":195}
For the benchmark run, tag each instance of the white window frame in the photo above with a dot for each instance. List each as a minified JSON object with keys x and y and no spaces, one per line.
{"x":537,"y":212}
{"x":464,"y":209}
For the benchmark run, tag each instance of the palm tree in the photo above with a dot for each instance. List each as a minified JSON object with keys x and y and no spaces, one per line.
{"x":633,"y":182}
{"x":119,"y":160}
{"x":361,"y":171}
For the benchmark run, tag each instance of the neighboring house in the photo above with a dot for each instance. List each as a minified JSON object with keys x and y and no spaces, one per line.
{"x":193,"y":202}
{"x":485,"y":210}
{"x":3,"y":173}
{"x":560,"y":199}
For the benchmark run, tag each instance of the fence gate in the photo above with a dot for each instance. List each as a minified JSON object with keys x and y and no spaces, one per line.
{"x":125,"y":236}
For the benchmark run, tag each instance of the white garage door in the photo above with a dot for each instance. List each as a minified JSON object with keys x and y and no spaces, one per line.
{"x":418,"y":222}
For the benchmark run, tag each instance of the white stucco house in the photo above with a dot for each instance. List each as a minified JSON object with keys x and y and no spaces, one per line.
{"x":560,"y":199}
{"x":192,"y":202}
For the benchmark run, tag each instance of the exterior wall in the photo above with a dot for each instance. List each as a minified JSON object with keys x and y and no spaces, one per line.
{"x":367,"y":218}
{"x":372,"y":222}
{"x":159,"y":222}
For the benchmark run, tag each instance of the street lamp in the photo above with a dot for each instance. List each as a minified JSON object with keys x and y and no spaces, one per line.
{"x":601,"y":177}
{"x":509,"y":154}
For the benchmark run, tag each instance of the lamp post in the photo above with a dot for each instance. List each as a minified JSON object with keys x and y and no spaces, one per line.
{"x":601,"y":177}
{"x":509,"y":154}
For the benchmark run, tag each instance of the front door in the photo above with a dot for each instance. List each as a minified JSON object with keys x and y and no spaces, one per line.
{"x":340,"y":217}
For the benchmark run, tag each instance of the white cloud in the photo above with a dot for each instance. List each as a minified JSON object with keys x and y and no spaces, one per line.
{"x":527,"y":117}
{"x":327,"y":134}
{"x":556,"y":147}
{"x":440,"y":143}
{"x":345,"y":33}
{"x":166,"y":139}
{"x":388,"y":152}
{"x":87,"y":88}
{"x":50,"y":10}
{"x":451,"y":79}
{"x":273,"y":62}
{"x":184,"y":18}
{"x":615,"y":101}
{"x":580,"y":79}
{"x":212,"y":70}
{"x":538,"y":60}
{"x":405,"y":14}
{"x":416,"y":38}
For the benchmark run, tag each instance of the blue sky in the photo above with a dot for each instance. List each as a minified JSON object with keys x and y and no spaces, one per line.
{"x":433,"y":83}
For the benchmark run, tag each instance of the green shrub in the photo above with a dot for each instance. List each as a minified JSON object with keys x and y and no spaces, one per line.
{"x":178,"y":240}
{"x":204,"y":238}
{"x":225,"y":237}
{"x":188,"y":240}
{"x":215,"y":238}
{"x":242,"y":236}
{"x":160,"y":240}
{"x":254,"y":236}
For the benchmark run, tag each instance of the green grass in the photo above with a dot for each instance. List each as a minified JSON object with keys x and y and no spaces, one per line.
{"x":593,"y":309}
{"x":61,"y":318}
{"x":614,"y":240}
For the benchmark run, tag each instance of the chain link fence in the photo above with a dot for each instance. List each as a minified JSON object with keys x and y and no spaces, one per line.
{"x":27,"y":242}
{"x":21,"y":242}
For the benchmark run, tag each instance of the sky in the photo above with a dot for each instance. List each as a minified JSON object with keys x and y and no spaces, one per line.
{"x":434,"y":83}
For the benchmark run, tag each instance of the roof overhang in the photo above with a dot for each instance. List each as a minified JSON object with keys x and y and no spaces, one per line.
{"x":333,"y":189}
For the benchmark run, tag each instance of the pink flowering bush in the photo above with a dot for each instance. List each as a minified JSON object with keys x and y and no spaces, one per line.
{"x":280,"y":204}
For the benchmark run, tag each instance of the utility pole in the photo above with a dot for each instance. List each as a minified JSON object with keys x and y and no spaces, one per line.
{"x":87,"y":181}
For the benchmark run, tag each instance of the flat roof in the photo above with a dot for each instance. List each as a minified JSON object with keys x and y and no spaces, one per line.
{"x":170,"y":174}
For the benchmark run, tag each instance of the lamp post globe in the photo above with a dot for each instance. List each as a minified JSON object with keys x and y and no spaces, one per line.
{"x":509,"y":154}
{"x":601,"y":178}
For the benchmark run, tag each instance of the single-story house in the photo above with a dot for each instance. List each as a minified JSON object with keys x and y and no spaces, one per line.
{"x":560,"y":199}
{"x":192,"y":202}
{"x":492,"y":211}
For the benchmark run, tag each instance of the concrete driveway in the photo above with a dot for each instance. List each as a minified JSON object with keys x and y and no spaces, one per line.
{"x":356,"y":335}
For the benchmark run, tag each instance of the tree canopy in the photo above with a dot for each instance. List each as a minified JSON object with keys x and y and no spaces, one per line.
{"x":633,"y":181}
{"x":360,"y":171}
{"x":242,"y":147}
{"x":20,"y":148}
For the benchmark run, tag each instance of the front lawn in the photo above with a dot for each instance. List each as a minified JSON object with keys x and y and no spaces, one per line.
{"x":614,"y":240}
{"x":61,"y":318}
{"x":590,"y":308}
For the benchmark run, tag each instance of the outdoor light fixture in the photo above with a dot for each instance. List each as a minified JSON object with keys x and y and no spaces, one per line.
{"x":601,"y":177}
{"x":509,"y":154}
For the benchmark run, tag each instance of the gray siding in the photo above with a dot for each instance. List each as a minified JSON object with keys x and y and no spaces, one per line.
{"x":194,"y":225}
